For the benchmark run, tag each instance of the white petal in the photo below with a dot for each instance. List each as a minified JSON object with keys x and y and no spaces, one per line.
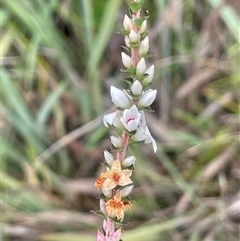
{"x":144,"y":46}
{"x":119,"y":98}
{"x":130,"y":160}
{"x":108,"y":157}
{"x":116,"y":141}
{"x":131,"y":118}
{"x":126,"y":60}
{"x":143,"y":27}
{"x":127,"y":23}
{"x":108,"y":118}
{"x":136,"y":88}
{"x":133,"y":36}
{"x":126,"y":190}
{"x":147,"y":98}
{"x":150,"y":72}
{"x":107,"y":192}
{"x":141,"y":67}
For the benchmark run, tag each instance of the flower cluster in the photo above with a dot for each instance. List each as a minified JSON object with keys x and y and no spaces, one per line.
{"x":128,"y":120}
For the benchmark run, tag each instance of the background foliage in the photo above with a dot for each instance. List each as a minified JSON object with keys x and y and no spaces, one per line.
{"x":58,"y":60}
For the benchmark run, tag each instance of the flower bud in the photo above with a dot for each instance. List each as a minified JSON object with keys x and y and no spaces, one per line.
{"x":144,"y":46}
{"x":141,"y":67}
{"x":126,"y":191}
{"x":133,"y":36}
{"x":143,"y":27}
{"x":128,"y":161}
{"x":105,"y":225}
{"x":107,"y":192}
{"x":127,"y":23}
{"x":150,"y":72}
{"x":136,"y":88}
{"x":116,"y":235}
{"x":127,"y":41}
{"x":116,"y":141}
{"x":147,"y":98}
{"x":127,"y":61}
{"x":100,"y":236}
{"x":102,"y":205}
{"x":119,"y":98}
{"x":108,"y":157}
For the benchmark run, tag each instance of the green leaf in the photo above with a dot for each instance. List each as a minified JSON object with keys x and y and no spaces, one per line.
{"x":47,"y":105}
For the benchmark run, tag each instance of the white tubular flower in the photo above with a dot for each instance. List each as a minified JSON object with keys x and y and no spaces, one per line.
{"x":116,"y":141}
{"x":127,"y":162}
{"x":141,"y":67}
{"x":108,"y":157}
{"x":131,"y":118}
{"x":144,"y":46}
{"x":126,"y":191}
{"x":147,"y":98}
{"x":133,"y":36}
{"x":143,"y":27}
{"x":136,"y":88}
{"x":150,"y":72}
{"x":119,"y":98}
{"x":127,"y":23}
{"x":127,"y":61}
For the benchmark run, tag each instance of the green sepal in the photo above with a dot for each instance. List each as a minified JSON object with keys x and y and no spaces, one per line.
{"x":131,"y":71}
{"x":129,"y":81}
{"x":139,"y":21}
{"x":123,"y":32}
{"x":135,"y":6}
{"x":144,"y":35}
{"x":99,"y":213}
{"x":146,"y":56}
{"x":125,"y":48}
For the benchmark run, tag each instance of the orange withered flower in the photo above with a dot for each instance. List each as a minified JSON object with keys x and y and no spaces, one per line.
{"x":116,"y":207}
{"x":115,"y":176}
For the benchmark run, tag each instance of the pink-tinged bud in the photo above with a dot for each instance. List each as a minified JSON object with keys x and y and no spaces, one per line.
{"x":128,"y":161}
{"x":143,"y":27}
{"x":108,"y":157}
{"x":127,"y":23}
{"x":141,"y":67}
{"x":119,"y":98}
{"x":150,"y":72}
{"x":144,"y":46}
{"x":126,"y":191}
{"x":133,"y":36}
{"x":105,"y":224}
{"x":127,"y":61}
{"x":136,"y":88}
{"x":107,"y":192}
{"x":102,"y":205}
{"x":100,"y":236}
{"x":116,"y":141}
{"x":147,"y":98}
{"x":131,"y":118}
{"x":127,"y":41}
{"x":116,"y":235}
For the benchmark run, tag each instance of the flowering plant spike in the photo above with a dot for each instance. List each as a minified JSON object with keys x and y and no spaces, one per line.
{"x":128,"y":119}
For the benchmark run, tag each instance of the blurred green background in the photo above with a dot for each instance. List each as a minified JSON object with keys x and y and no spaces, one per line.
{"x":58,"y":61}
